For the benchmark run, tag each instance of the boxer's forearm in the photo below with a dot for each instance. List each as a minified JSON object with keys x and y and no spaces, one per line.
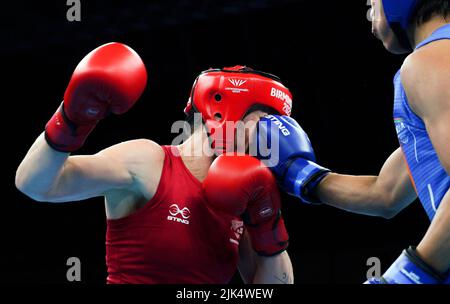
{"x":247,"y":259}
{"x":40,"y":168}
{"x":383,"y":195}
{"x":274,"y":270}
{"x":435,"y":246}
{"x":360,"y":194}
{"x":352,"y":193}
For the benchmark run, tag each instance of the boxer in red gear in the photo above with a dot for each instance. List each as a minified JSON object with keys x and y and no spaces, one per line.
{"x":160,"y":227}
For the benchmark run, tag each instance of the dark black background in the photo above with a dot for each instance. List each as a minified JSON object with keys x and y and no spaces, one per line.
{"x":339,"y":74}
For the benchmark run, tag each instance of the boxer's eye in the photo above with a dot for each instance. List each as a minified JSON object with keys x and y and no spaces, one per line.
{"x":218,"y":97}
{"x":218,"y":117}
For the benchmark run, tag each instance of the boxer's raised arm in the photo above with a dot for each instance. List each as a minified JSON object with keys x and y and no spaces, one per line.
{"x":51,"y":176}
{"x":109,"y":79}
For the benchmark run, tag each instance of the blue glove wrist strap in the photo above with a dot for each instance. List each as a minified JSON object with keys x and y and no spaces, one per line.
{"x":409,"y":268}
{"x":302,"y":177}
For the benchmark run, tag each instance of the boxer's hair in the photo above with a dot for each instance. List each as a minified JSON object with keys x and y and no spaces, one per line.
{"x":426,"y":9}
{"x":263,"y":108}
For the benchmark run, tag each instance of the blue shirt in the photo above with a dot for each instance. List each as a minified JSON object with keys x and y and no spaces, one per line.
{"x":430,"y":179}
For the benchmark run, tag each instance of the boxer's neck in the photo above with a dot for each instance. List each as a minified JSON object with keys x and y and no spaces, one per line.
{"x":196,"y":153}
{"x":424,"y":30}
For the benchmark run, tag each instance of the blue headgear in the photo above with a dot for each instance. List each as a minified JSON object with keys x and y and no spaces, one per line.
{"x":398,"y":14}
{"x":399,"y":11}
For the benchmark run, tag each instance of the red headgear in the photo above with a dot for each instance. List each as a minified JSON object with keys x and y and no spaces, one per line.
{"x":227,"y":94}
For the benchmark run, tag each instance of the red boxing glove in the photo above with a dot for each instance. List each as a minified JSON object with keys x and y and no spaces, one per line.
{"x":243,"y":186}
{"x":110,"y":79}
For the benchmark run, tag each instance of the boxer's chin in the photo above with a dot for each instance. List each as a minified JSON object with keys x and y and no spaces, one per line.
{"x":375,"y":33}
{"x":390,"y":41}
{"x":392,"y":45}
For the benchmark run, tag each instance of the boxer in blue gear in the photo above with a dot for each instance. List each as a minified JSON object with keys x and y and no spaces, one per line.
{"x":420,"y":167}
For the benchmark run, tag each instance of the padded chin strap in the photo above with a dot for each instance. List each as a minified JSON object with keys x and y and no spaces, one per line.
{"x":401,"y":35}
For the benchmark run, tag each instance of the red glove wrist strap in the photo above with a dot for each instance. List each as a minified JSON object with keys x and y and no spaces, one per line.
{"x":64,"y":135}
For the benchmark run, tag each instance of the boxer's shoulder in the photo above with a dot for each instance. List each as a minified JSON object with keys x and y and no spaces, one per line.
{"x":144,"y":149}
{"x":143,"y":158}
{"x":136,"y":152}
{"x":425,"y":75}
{"x":427,"y":61}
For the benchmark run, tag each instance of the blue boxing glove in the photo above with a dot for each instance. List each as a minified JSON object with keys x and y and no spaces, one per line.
{"x":409,"y":268}
{"x":285,"y":148}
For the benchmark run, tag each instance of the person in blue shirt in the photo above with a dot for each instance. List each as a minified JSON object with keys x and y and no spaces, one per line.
{"x":420,"y":167}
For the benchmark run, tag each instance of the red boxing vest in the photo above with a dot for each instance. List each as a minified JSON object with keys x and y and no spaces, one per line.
{"x":175,"y":237}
